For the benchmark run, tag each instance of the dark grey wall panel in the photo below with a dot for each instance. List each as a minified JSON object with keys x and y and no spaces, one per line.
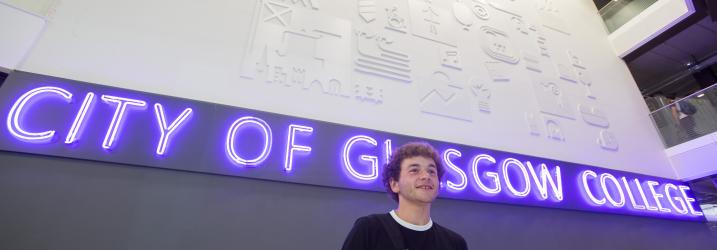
{"x":56,"y":203}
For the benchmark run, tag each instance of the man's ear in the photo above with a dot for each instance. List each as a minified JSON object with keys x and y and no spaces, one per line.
{"x":394,"y":185}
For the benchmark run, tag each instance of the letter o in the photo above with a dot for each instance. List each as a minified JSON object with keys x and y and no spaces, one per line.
{"x":511,"y":161}
{"x":231,"y":137}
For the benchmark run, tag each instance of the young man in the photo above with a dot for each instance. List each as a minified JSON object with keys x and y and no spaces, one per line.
{"x":412,"y":179}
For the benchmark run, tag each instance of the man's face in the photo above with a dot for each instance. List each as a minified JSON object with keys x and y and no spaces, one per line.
{"x":418,"y":181}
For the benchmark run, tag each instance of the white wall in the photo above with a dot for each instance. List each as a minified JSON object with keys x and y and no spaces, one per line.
{"x":41,"y":8}
{"x":695,"y":158}
{"x":19,"y":29}
{"x":497,"y":99}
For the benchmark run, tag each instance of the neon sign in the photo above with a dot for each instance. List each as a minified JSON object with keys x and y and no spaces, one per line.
{"x":373,"y":160}
{"x":292,"y":147}
{"x":59,"y":117}
{"x":231,"y":140}
{"x":168,"y":131}
{"x":123,"y":106}
{"x":36,"y":94}
{"x":447,"y":156}
{"x":77,"y":124}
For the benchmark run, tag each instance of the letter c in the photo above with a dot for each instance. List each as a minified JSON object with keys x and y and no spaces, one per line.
{"x":13,"y":118}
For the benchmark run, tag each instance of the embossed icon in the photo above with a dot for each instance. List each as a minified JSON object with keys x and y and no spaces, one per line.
{"x":498,"y":71}
{"x":533,"y":123}
{"x":481,"y":92}
{"x":379,"y":55}
{"x":566,"y":73}
{"x":367,"y":10}
{"x":507,"y":6}
{"x":290,"y":44}
{"x":430,"y":22}
{"x":585,"y":79}
{"x":543,"y":46}
{"x":549,"y":12}
{"x":333,"y":87}
{"x":298,"y":77}
{"x":575,"y":60}
{"x":313,"y":4}
{"x":480,"y":9}
{"x":277,"y":12}
{"x":497,"y":45}
{"x":532,"y":62}
{"x":607,"y":140}
{"x":593,"y":116}
{"x":555,"y":131}
{"x":302,"y":48}
{"x":450,"y":58}
{"x":292,"y":40}
{"x":552,"y":100}
{"x":520,"y":25}
{"x":279,"y":76}
{"x":298,"y":52}
{"x":368,"y":92}
{"x":395,"y":20}
{"x":445,"y":98}
{"x":464,"y":15}
{"x":532,"y":28}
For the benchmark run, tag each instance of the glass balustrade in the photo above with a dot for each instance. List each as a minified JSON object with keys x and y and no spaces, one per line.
{"x":618,"y":12}
{"x":687,"y":118}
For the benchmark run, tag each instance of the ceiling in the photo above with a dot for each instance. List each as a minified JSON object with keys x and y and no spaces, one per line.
{"x":667,"y":63}
{"x":601,"y":3}
{"x":660,"y":68}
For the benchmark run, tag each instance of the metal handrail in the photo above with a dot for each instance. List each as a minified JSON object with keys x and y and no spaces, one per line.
{"x":686,"y":97}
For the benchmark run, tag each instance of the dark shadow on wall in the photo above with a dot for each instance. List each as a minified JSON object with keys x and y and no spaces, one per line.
{"x":3,"y":76}
{"x":58,"y":203}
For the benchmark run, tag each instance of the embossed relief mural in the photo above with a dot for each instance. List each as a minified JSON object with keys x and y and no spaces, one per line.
{"x":458,"y":58}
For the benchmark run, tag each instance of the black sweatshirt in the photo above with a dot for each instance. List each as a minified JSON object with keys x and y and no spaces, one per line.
{"x":368,"y":233}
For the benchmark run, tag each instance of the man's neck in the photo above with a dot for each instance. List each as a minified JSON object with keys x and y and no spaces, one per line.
{"x":414,"y":213}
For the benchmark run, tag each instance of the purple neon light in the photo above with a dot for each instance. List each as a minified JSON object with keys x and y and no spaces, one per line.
{"x":640,"y":189}
{"x":231,"y":139}
{"x":460,"y":186}
{"x":291,"y":147}
{"x":168,"y":131}
{"x":123,"y":105}
{"x":373,"y":175}
{"x":512,"y":161}
{"x":601,"y":191}
{"x":689,"y":200}
{"x":604,"y":177}
{"x":651,"y":185}
{"x":630,"y":195}
{"x":13,"y":118}
{"x":608,"y":182}
{"x":387,"y":150}
{"x":584,"y":177}
{"x":476,"y":175}
{"x":671,"y":199}
{"x":545,"y":180}
{"x":79,"y":123}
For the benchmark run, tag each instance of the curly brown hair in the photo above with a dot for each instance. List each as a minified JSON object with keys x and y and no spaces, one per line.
{"x":392,"y":169}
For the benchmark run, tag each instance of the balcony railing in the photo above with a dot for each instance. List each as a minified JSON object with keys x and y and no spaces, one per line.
{"x":618,"y":12}
{"x":687,"y":118}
